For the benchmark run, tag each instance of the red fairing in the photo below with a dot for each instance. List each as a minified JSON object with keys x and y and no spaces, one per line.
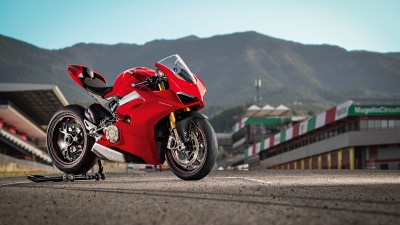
{"x":197,"y":90}
{"x":74,"y":71}
{"x":202,"y":88}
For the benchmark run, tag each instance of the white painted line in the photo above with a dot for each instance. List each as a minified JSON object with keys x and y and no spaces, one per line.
{"x":175,"y":178}
{"x":255,"y":180}
{"x":159,"y":178}
{"x":248,"y":179}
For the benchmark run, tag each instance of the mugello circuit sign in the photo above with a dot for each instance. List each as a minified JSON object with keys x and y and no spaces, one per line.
{"x":374,"y":110}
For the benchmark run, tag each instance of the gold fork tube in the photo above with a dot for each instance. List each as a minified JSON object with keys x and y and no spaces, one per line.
{"x":161,"y":86}
{"x":172,"y":120}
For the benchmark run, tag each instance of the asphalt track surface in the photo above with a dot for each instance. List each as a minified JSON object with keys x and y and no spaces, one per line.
{"x":225,"y":197}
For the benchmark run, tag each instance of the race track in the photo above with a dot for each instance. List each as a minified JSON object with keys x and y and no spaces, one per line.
{"x":224,"y":197}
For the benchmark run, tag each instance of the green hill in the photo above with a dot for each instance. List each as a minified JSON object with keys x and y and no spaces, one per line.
{"x":228,"y":64}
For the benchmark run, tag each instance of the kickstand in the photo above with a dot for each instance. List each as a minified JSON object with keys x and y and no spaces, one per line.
{"x":70,"y":177}
{"x":100,"y":166}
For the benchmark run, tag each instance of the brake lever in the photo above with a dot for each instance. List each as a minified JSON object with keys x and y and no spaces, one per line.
{"x":150,"y":80}
{"x":140,"y":83}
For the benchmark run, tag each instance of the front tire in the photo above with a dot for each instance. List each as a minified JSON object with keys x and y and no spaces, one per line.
{"x":196,"y":162}
{"x":68,"y":143}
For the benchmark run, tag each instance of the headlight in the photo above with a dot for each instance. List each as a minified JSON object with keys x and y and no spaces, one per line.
{"x":186,"y":98}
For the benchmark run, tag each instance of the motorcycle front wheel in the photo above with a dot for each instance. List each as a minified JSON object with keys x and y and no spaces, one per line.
{"x":68,"y":143}
{"x":198,"y":159}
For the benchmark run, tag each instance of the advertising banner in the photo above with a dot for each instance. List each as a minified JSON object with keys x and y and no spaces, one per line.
{"x":374,"y":110}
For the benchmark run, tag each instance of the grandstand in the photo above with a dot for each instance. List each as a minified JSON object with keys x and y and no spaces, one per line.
{"x":25,"y":111}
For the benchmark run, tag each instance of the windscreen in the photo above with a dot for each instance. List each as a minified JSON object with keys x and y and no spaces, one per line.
{"x":178,"y":67}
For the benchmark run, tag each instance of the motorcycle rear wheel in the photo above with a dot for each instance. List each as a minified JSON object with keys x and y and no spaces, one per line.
{"x":197,"y":161}
{"x":68,"y":143}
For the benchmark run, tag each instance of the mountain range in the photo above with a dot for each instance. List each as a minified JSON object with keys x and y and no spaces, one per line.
{"x":228,"y":64}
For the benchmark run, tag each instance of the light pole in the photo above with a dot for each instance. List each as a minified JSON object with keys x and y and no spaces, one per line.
{"x":258,"y":86}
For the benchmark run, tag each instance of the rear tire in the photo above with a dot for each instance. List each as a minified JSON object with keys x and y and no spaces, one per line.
{"x":68,"y":143}
{"x":202,"y":167}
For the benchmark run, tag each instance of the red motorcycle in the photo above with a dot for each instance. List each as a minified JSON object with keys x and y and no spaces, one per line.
{"x":146,"y":117}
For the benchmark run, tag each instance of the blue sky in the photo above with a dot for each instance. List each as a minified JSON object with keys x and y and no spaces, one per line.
{"x":353,"y":24}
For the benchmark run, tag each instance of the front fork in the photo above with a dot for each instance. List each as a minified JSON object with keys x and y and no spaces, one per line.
{"x":172,"y":119}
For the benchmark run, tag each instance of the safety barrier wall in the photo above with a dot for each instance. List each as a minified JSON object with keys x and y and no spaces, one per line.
{"x":340,"y":159}
{"x":11,"y":164}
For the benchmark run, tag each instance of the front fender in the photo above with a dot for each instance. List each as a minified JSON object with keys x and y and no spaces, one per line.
{"x":183,"y":123}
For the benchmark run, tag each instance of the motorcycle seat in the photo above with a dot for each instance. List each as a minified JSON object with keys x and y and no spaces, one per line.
{"x":95,"y":83}
{"x":102,"y":91}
